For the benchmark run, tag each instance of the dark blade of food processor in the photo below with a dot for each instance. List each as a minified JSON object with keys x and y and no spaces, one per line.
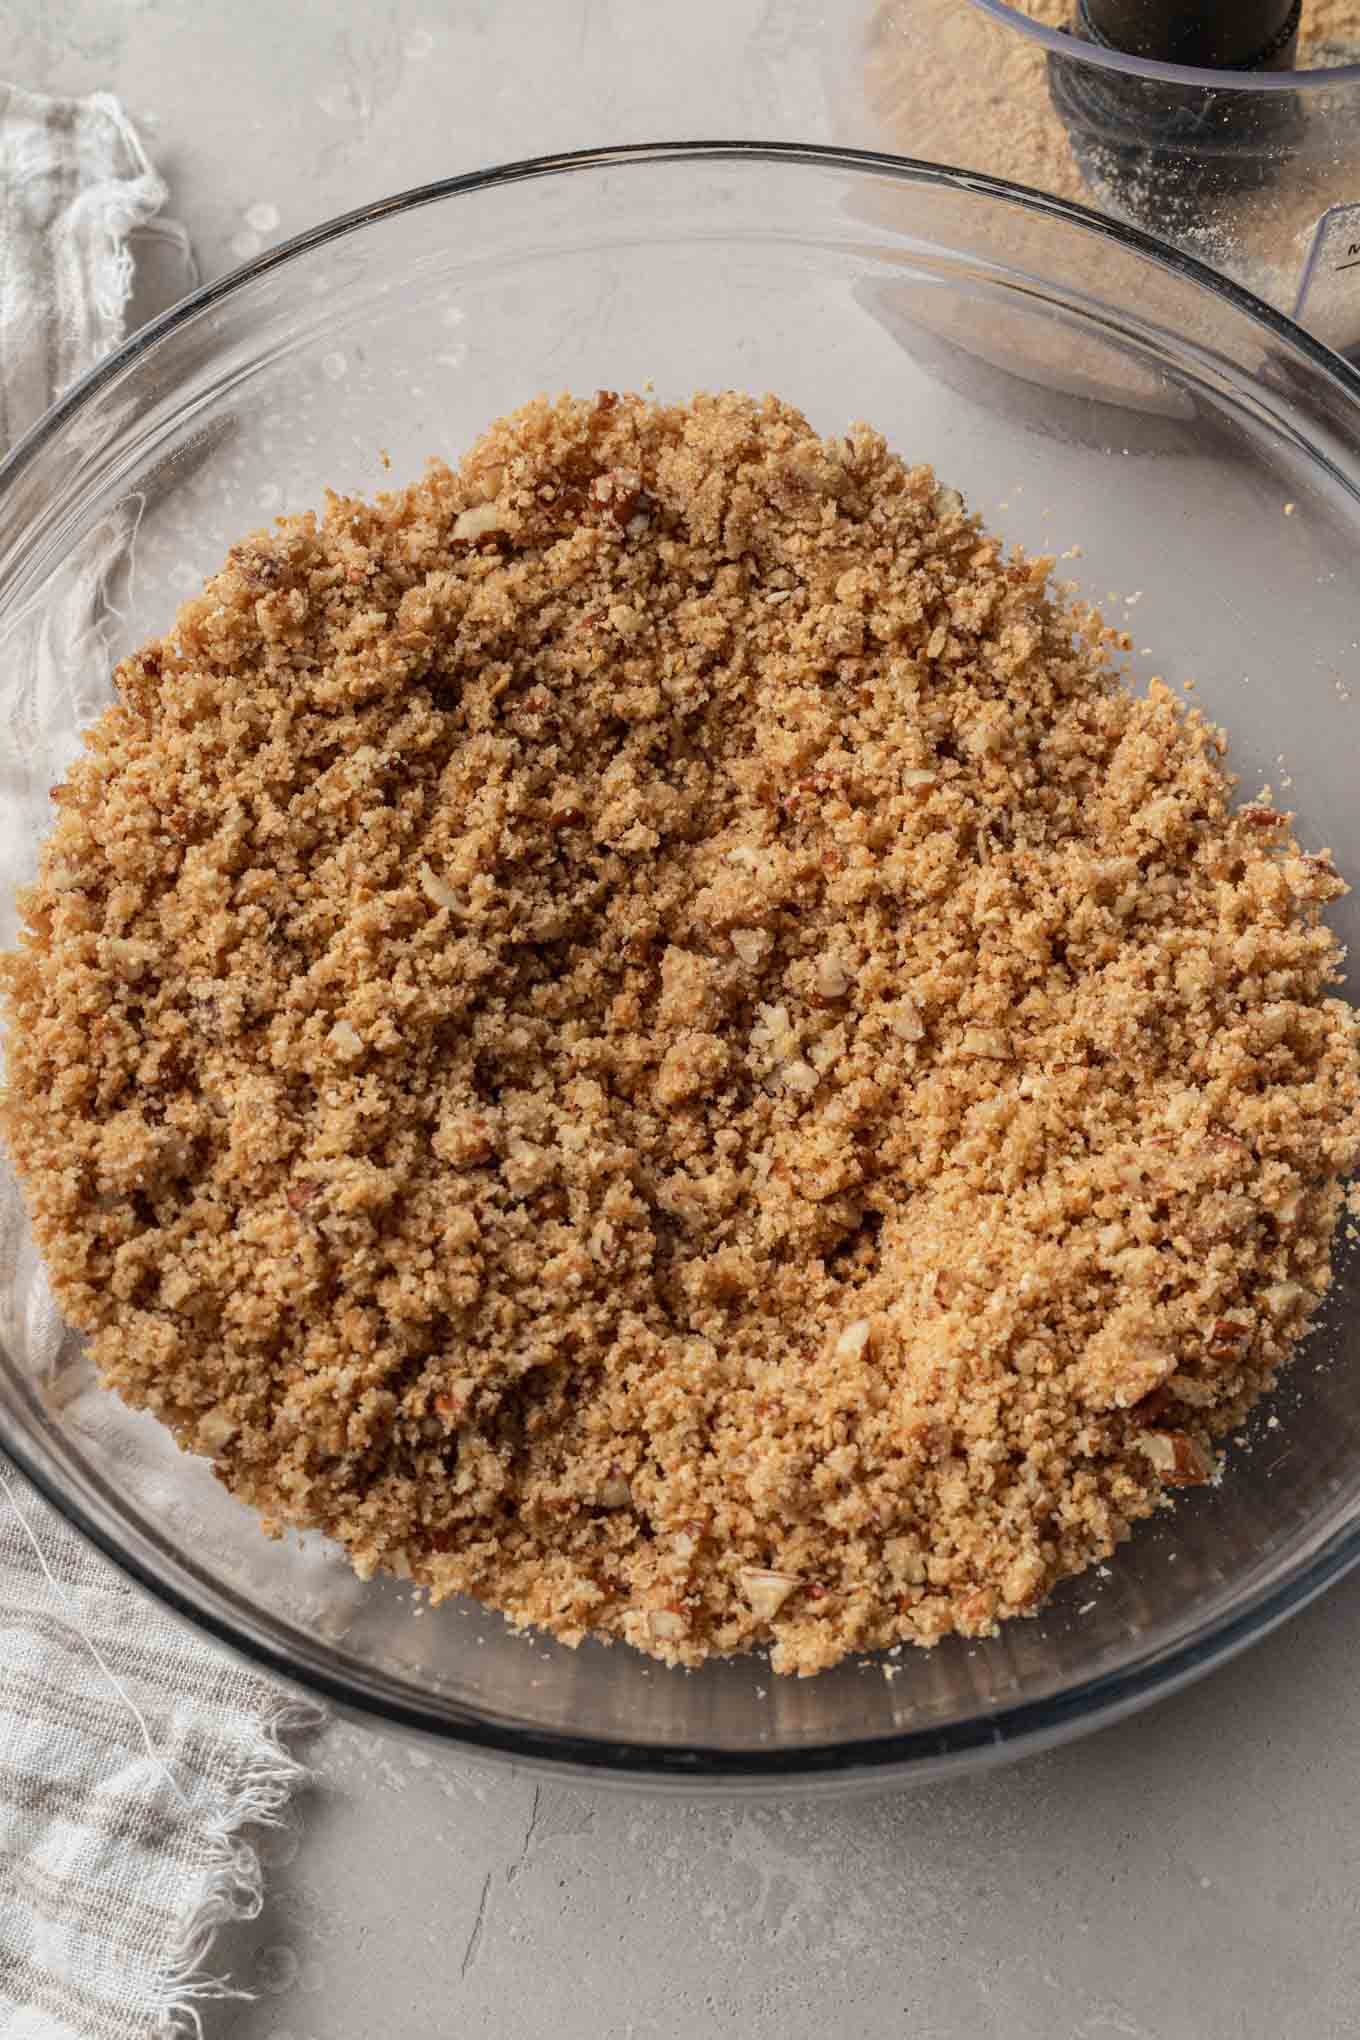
{"x":1245,"y":35}
{"x":1167,"y":151}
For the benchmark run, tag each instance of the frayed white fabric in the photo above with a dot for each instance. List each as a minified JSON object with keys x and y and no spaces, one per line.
{"x":74,"y":183}
{"x":133,"y":1757}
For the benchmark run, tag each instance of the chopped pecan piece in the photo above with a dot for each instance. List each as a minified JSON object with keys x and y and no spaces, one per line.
{"x":1227,"y":1339}
{"x":1178,"y":1458}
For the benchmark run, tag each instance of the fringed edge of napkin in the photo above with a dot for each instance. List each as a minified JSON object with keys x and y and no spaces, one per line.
{"x":233,"y":1889}
{"x":229,"y":1867}
{"x":120,"y":206}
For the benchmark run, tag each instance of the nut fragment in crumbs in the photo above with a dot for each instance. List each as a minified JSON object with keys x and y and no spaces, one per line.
{"x":644,"y":1032}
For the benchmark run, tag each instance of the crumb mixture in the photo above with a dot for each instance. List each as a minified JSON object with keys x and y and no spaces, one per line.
{"x":1329,"y":33}
{"x":944,"y":81}
{"x":644,"y":1031}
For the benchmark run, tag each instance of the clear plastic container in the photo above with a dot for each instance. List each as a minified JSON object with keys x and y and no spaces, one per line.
{"x":1236,"y":168}
{"x":1079,"y":386}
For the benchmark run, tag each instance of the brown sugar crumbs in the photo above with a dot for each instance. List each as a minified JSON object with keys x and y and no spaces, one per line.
{"x":645,"y":1031}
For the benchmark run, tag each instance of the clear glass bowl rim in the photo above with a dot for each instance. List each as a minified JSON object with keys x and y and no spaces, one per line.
{"x":1010,"y":1731}
{"x":1062,"y":44}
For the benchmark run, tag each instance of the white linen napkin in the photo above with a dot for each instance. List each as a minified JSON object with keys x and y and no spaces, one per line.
{"x":133,"y":1755}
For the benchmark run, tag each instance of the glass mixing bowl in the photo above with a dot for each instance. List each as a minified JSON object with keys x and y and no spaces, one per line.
{"x":1082,"y":386}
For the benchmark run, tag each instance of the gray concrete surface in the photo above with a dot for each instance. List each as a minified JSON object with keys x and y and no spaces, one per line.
{"x":1189,"y":1876}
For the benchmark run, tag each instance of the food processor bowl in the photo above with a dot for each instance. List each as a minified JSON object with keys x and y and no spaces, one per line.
{"x":1085,"y":389}
{"x":1254,"y":172}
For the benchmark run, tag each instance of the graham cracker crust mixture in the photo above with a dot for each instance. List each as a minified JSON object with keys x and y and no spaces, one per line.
{"x":645,"y":1031}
